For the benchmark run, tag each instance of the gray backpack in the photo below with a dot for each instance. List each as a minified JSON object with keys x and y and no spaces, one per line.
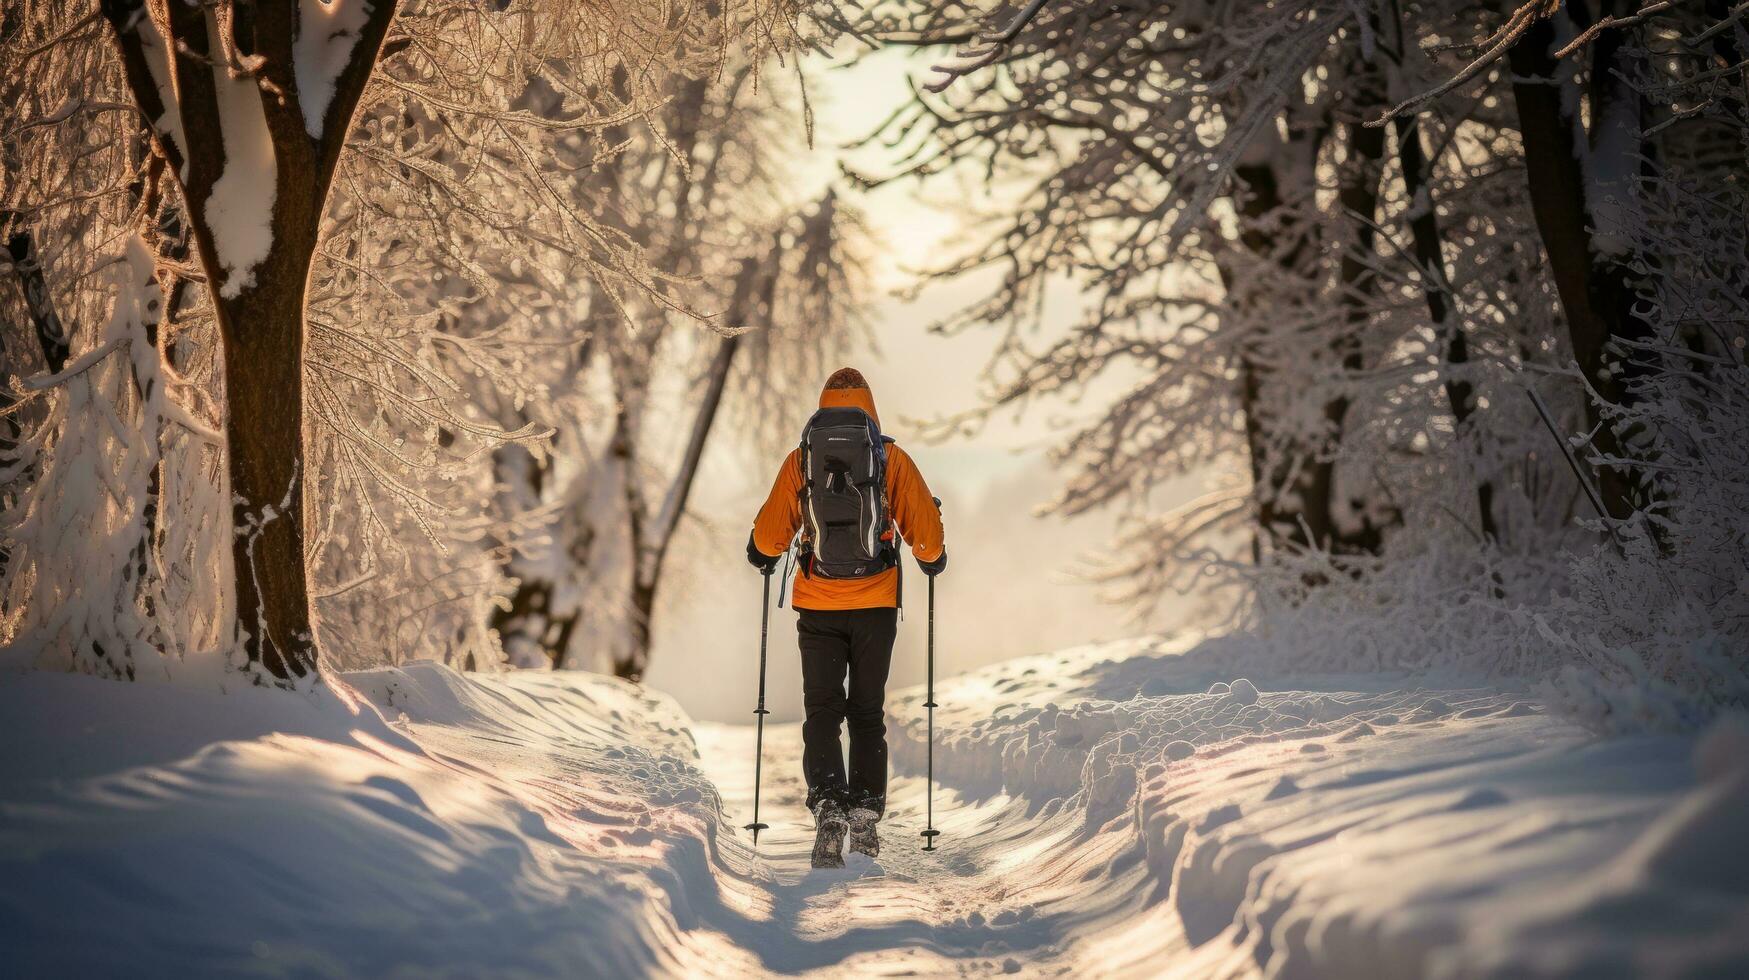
{"x":846,"y":528}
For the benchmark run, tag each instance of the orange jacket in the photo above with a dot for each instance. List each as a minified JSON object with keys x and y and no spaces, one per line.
{"x":909,"y":501}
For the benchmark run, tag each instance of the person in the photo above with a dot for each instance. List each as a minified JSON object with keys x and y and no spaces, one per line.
{"x":847,"y":612}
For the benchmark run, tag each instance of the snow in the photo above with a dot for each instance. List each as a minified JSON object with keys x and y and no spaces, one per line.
{"x":1611,"y":170}
{"x":157,"y":55}
{"x":91,"y":488}
{"x":1450,"y":832}
{"x":327,"y":32}
{"x":487,"y":829}
{"x":1103,"y":813}
{"x":240,"y":210}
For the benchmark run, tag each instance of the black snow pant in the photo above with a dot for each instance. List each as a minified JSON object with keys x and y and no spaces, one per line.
{"x":857,"y":643}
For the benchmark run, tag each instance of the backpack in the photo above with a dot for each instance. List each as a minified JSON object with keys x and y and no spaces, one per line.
{"x":846,"y":527}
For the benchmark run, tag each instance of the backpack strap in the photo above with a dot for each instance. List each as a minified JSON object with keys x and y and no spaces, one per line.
{"x":783,"y":583}
{"x":899,"y":563}
{"x":804,"y":546}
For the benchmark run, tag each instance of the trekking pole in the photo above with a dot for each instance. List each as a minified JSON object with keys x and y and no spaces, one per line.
{"x":929,"y":835}
{"x":760,"y":712}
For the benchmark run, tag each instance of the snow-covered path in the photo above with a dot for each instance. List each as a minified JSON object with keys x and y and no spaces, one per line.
{"x":1106,"y":812}
{"x":997,"y":895}
{"x":908,"y":912}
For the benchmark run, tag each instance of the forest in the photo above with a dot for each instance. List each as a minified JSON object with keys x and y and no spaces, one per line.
{"x":370,"y":371}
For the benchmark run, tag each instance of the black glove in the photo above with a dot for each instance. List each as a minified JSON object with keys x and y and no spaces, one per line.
{"x":936,"y":567}
{"x":759,"y":559}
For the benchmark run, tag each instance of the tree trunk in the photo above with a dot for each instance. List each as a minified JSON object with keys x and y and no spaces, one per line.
{"x":1301,"y":519}
{"x":1436,"y":288}
{"x":51,"y":334}
{"x":1358,"y":195}
{"x":1620,"y":156}
{"x":1597,"y":302}
{"x":1275,"y":522}
{"x":240,"y":58}
{"x":263,"y":330}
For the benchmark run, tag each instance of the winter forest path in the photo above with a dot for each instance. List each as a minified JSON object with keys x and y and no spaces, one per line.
{"x":1107,"y":812}
{"x":976,"y":905}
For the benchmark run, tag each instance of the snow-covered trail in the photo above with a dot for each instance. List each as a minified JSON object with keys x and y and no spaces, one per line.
{"x":1114,"y":811}
{"x":993,"y":895}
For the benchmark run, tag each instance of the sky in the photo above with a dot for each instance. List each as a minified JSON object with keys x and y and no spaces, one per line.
{"x":1015,"y":583}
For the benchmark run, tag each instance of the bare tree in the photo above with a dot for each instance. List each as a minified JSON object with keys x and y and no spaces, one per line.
{"x":709,"y":199}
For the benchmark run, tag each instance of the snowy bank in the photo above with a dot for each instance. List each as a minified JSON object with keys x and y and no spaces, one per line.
{"x":1135,"y":809}
{"x":1362,"y":825}
{"x":404,"y":820}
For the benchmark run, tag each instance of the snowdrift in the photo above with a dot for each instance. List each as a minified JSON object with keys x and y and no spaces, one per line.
{"x":408,"y":820}
{"x":1134,"y":809}
{"x":1362,"y":825}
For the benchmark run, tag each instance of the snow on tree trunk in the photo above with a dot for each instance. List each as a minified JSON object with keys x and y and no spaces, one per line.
{"x":224,"y":88}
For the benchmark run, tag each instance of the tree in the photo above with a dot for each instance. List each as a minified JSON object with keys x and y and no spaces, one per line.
{"x":324,"y":163}
{"x":1379,"y":301}
{"x":1581,"y":233}
{"x":251,"y":108}
{"x":1205,"y":171}
{"x":708,"y":200}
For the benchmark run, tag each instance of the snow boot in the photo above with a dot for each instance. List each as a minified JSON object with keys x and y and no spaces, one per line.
{"x":863,"y":839}
{"x":829,"y":828}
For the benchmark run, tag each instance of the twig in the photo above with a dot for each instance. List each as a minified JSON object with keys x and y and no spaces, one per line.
{"x":1612,"y":21}
{"x":1497,"y":46}
{"x":86,"y":362}
{"x":1591,"y":493}
{"x":972,"y":57}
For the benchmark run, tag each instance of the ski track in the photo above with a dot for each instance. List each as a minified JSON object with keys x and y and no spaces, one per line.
{"x":1126,"y":810}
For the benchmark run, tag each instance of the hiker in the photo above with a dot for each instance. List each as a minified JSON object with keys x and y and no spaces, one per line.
{"x":855,"y":496}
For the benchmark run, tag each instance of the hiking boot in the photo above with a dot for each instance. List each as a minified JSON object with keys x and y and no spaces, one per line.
{"x":863,"y":839}
{"x":829,"y":827}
